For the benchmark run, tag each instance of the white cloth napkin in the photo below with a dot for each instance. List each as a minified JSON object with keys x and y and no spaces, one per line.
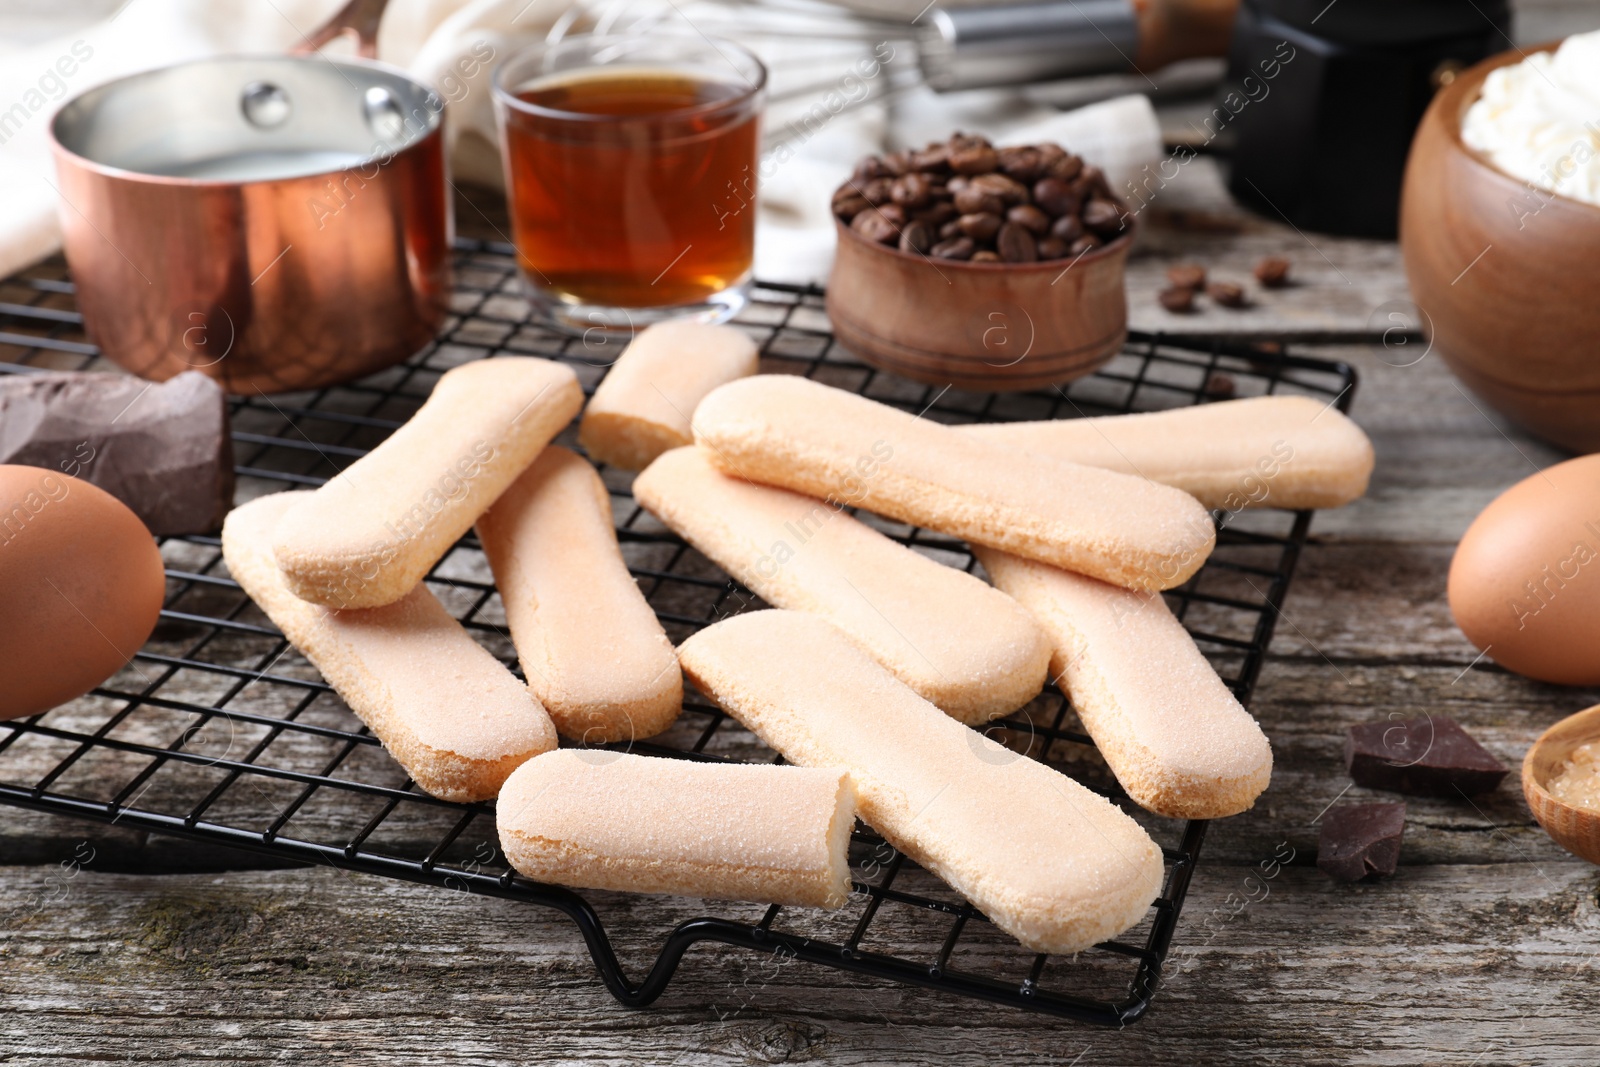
{"x":833,"y":100}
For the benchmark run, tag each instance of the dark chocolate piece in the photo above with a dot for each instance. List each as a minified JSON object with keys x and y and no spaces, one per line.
{"x":161,"y":448}
{"x":1428,"y":757}
{"x":1361,"y":839}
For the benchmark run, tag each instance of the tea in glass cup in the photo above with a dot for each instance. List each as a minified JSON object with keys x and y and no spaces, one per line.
{"x":630,"y":175}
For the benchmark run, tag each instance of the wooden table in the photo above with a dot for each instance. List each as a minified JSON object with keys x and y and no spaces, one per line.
{"x":1481,"y":951}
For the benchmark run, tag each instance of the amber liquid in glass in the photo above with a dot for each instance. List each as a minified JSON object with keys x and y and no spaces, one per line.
{"x":647,"y":201}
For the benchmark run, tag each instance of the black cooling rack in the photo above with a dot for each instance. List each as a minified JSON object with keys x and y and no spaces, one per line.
{"x":220,"y":732}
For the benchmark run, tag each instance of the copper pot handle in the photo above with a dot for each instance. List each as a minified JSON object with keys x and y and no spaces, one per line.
{"x":358,"y":19}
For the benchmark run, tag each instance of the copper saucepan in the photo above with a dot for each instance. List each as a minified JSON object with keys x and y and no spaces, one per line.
{"x":278,"y":222}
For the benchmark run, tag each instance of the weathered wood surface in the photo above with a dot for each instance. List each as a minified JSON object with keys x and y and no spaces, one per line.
{"x":1481,"y":951}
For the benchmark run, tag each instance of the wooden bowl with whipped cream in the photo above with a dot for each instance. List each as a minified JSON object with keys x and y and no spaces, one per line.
{"x":1503,"y":273}
{"x":1556,"y":775}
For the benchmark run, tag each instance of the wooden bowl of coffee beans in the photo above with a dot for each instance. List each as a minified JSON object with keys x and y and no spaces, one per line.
{"x":982,"y":267}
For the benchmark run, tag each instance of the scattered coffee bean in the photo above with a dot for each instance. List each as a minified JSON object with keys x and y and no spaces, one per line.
{"x":985,"y":256}
{"x":1187,"y":276}
{"x":980,"y":227}
{"x":1015,"y":244}
{"x":1177,"y":299}
{"x":1227,"y":294}
{"x":956,"y":248}
{"x":1051,"y":248}
{"x":1220,"y":385}
{"x":1029,"y":217}
{"x":1273,"y":272}
{"x":917,"y":237}
{"x":874,"y":227}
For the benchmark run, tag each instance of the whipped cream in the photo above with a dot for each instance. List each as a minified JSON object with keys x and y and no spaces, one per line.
{"x":1539,"y":120}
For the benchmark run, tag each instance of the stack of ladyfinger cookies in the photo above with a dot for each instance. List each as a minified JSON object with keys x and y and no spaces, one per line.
{"x":871,"y":670}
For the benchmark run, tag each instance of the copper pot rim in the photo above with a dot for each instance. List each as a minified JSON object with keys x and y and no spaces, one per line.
{"x":1451,"y":105}
{"x":1109,"y":250}
{"x":61,"y":152}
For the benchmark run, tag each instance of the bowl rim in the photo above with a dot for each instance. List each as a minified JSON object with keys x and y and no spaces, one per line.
{"x":1462,"y":92}
{"x":1578,"y":721}
{"x":1115,"y":246}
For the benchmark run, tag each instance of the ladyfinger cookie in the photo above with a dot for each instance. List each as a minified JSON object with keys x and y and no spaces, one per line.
{"x":1051,"y":863}
{"x":1265,"y":451}
{"x":958,"y":642}
{"x":367,"y":537}
{"x":1172,"y":732}
{"x":592,"y":649}
{"x":448,"y":712}
{"x":594,"y":819}
{"x":643,"y":405}
{"x":791,"y":432}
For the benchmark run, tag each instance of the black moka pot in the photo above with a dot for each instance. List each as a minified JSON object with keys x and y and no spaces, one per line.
{"x":1323,"y":143}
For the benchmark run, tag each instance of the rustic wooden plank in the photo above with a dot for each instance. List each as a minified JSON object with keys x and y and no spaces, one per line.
{"x":1485,"y":965}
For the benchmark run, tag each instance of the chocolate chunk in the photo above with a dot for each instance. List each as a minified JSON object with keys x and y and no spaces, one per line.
{"x":1361,"y":839}
{"x":1429,"y":757}
{"x":162,"y":449}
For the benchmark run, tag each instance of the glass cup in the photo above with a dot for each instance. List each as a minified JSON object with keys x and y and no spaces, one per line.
{"x":630,"y":174}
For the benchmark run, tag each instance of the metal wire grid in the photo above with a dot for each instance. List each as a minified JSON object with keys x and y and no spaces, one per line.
{"x":219,"y":731}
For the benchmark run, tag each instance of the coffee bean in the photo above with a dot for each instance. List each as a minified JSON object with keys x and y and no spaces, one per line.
{"x":894,"y":213}
{"x":1220,"y":385}
{"x":1068,"y":227}
{"x":1273,"y":272}
{"x":911,"y":190}
{"x":981,"y":226}
{"x":984,"y":256}
{"x":1095,"y":179}
{"x":878,"y":190}
{"x":1015,"y":244}
{"x":1007,"y":189}
{"x":1178,"y":299}
{"x":973,"y":158}
{"x":956,"y":183}
{"x":1104,"y":217}
{"x":950,"y":230}
{"x":1051,"y":248}
{"x":1187,"y":276}
{"x":1065,"y":167}
{"x":1029,"y":217}
{"x":938,"y":213}
{"x":1227,"y":294}
{"x":869,"y":168}
{"x":1055,"y":196}
{"x":874,"y":227}
{"x":973,"y":201}
{"x":850,"y":206}
{"x":934,"y":158}
{"x":957,"y":248}
{"x":917,"y":236}
{"x":897,"y":162}
{"x":1022,"y":162}
{"x":1088,"y":242}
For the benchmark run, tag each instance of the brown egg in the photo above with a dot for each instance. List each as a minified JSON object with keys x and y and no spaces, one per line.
{"x":82,"y":584}
{"x":1525,"y":581}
